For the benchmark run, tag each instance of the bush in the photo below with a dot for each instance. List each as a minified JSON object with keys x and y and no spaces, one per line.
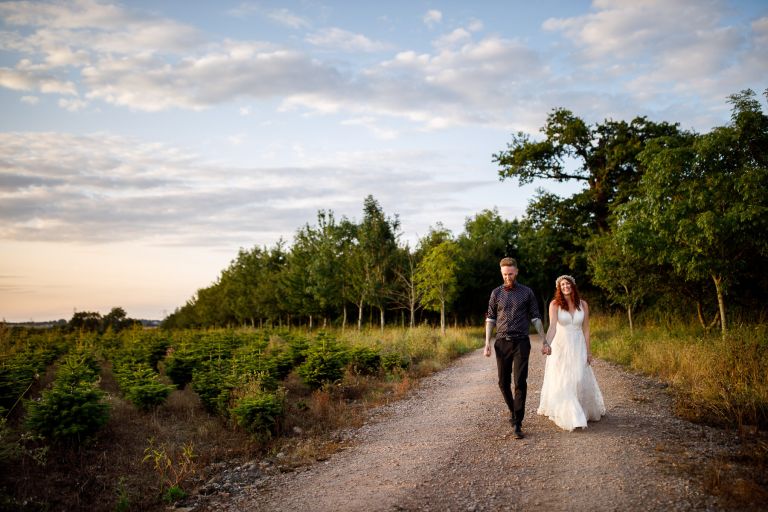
{"x":68,"y":413}
{"x":324,"y":364}
{"x":179,"y":368}
{"x":259,"y":413}
{"x":364,"y":360}
{"x":393,"y":361}
{"x":210,"y":383}
{"x":144,"y":389}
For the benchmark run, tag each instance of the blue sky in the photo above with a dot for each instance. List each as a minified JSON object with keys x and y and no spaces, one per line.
{"x":143,"y":143}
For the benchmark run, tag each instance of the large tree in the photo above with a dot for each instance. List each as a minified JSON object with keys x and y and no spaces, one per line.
{"x":603,"y":156}
{"x":704,"y":197}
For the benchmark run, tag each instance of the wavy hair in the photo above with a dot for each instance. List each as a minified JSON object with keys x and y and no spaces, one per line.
{"x":560,"y":298}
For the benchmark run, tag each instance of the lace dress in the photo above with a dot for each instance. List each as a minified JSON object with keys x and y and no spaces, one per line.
{"x":570,"y":395}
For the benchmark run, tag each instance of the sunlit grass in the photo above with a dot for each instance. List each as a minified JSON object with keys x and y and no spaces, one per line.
{"x":718,"y":381}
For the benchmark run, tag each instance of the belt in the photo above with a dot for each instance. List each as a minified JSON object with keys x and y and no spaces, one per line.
{"x":516,"y":337}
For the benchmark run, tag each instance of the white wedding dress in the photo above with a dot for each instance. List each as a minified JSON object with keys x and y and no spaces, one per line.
{"x":570,"y":395}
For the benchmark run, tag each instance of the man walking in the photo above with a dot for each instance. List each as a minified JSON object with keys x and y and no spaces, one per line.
{"x":511,"y":308}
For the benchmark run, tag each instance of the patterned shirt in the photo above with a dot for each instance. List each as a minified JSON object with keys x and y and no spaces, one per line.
{"x":512,"y":310}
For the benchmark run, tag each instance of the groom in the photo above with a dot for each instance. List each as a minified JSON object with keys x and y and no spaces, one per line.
{"x":511,"y":309}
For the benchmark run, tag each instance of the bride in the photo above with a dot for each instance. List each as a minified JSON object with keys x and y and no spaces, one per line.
{"x":570,"y":395}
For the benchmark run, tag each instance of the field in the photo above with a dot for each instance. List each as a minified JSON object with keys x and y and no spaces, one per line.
{"x":179,"y":403}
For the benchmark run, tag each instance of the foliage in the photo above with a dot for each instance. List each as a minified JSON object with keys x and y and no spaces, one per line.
{"x":436,"y":278}
{"x":703,"y":198}
{"x":171,"y":469}
{"x":74,"y":408}
{"x":364,"y":360}
{"x":259,"y":412}
{"x":717,"y":381}
{"x":325,"y":362}
{"x":607,"y":154}
{"x":141,"y":384}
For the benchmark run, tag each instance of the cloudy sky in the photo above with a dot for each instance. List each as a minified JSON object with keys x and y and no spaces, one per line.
{"x":142,"y":143}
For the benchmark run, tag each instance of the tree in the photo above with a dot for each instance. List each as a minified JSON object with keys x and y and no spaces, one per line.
{"x":617,"y":269}
{"x":607,"y":155}
{"x":704,"y":196}
{"x":436,"y":278}
{"x":406,"y":294}
{"x":487,"y":238}
{"x":373,"y":258}
{"x":85,"y":321}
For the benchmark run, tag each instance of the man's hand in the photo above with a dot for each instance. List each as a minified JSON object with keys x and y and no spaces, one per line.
{"x":487,"y":350}
{"x":546,"y":350}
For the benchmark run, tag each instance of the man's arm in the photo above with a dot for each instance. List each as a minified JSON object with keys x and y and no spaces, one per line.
{"x":489,"y":324}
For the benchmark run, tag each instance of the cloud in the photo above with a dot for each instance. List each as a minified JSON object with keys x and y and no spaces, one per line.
{"x":432,"y":17}
{"x":373,"y":126}
{"x":343,"y":40}
{"x":102,"y":188}
{"x":656,"y":47}
{"x":655,"y":56}
{"x":30,"y":100}
{"x":287,"y":18}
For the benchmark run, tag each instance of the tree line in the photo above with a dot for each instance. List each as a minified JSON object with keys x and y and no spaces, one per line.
{"x":668,"y":221}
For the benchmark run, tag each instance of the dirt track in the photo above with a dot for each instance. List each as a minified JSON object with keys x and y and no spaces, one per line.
{"x":448,"y":447}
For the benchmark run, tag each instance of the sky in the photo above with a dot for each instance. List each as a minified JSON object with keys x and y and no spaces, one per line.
{"x":143,"y":143}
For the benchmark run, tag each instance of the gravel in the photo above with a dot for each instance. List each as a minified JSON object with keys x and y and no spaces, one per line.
{"x":448,"y":447}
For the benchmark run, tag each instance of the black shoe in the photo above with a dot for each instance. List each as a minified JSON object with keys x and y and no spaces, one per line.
{"x":519,"y":432}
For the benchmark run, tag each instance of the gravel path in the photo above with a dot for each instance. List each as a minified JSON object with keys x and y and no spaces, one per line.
{"x":448,"y":447}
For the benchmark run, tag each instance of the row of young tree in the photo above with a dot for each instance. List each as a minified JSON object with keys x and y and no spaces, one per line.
{"x":668,"y":220}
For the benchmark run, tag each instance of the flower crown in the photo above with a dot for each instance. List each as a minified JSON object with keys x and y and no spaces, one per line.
{"x":564,"y":276}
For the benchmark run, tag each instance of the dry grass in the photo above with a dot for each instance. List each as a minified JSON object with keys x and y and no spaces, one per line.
{"x":716,"y":381}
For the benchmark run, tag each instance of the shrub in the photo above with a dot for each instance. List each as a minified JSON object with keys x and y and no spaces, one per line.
{"x":211,"y":384}
{"x":17,"y":373}
{"x":364,"y":360}
{"x":324,"y":364}
{"x":393,"y":361}
{"x":144,"y":389}
{"x":68,"y":413}
{"x":259,"y":413}
{"x":179,"y":368}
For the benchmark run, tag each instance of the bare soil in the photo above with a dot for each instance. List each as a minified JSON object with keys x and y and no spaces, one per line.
{"x":448,"y":446}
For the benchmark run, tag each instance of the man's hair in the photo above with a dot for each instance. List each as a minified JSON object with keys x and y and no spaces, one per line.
{"x":508,"y":262}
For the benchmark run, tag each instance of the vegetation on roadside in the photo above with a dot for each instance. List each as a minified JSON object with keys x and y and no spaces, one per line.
{"x":717,"y":381}
{"x":137,"y":416}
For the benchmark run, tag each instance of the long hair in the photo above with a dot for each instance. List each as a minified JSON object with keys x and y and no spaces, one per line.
{"x":560,"y":298}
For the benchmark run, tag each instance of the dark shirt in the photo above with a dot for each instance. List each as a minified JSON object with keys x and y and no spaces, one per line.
{"x":512,"y":309}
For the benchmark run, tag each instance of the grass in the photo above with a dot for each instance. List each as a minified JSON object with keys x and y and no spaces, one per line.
{"x":716,"y":381}
{"x":112,"y":471}
{"x":721,"y":382}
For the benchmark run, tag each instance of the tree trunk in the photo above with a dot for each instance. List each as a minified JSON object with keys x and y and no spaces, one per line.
{"x":310,"y":322}
{"x":442,"y":317}
{"x":360,"y":315}
{"x":344,"y":317}
{"x":629,"y":316}
{"x":720,"y":302}
{"x":381,"y":316}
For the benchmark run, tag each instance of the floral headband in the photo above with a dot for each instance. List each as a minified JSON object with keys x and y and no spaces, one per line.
{"x":569,"y":278}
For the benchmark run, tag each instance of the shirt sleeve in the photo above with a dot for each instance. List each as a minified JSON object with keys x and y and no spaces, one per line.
{"x":491,"y":313}
{"x":533,"y":306}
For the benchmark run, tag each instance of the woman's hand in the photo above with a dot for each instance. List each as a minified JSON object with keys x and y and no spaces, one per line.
{"x":589,"y":359}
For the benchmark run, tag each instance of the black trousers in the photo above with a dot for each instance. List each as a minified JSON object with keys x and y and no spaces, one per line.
{"x":512,"y":361}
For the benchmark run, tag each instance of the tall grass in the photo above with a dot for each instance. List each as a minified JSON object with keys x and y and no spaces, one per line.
{"x":718,"y":381}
